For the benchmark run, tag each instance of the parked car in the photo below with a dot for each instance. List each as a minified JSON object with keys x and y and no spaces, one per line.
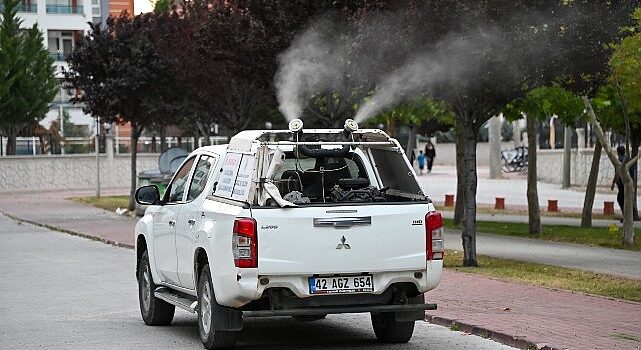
{"x":300,"y":223}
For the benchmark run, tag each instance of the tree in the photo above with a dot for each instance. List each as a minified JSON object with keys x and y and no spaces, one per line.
{"x":626,"y":77}
{"x":123,"y":77}
{"x":540,"y":104}
{"x":27,"y":80}
{"x":623,"y":170}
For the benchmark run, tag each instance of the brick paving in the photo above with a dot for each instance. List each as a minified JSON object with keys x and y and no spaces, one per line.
{"x":512,"y":313}
{"x":521,"y":314}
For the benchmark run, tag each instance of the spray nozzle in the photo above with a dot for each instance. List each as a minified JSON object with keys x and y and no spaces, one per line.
{"x":296,"y":125}
{"x":350,"y":126}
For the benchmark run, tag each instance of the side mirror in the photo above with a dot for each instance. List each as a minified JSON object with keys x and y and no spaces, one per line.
{"x":147,"y":195}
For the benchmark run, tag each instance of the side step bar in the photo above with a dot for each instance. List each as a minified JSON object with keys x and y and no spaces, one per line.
{"x":339,"y":310}
{"x":183,"y":301}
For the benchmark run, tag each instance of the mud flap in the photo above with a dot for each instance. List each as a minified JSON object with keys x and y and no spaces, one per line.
{"x":226,"y":318}
{"x":414,"y":315}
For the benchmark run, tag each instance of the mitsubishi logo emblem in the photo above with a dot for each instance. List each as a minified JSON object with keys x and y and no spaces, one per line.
{"x":342,"y":244}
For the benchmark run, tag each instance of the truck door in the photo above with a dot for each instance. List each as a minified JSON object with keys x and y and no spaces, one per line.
{"x":165,"y":220}
{"x":189,"y":219}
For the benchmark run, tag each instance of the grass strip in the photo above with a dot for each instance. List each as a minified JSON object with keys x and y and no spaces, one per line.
{"x":549,"y":276}
{"x":610,"y":237}
{"x":109,"y":203}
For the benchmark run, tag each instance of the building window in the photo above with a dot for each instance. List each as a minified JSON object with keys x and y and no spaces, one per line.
{"x":95,"y":11}
{"x":64,"y":7}
{"x":61,"y":44}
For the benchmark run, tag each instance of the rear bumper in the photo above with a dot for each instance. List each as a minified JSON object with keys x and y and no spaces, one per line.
{"x":241,"y":291}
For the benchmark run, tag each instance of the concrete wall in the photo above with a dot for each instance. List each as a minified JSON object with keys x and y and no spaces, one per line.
{"x":550,"y":167}
{"x":446,"y":152}
{"x":51,"y":172}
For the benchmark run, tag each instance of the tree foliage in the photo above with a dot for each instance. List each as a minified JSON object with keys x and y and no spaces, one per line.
{"x":27,"y":80}
{"x":123,"y":76}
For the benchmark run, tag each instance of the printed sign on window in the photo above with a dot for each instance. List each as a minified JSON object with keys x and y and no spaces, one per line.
{"x":225,"y":185}
{"x":243,"y":178}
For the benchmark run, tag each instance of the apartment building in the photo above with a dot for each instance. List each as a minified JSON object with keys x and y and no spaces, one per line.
{"x":63,"y":23}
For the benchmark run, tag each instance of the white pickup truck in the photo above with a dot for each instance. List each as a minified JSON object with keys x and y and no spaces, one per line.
{"x":300,"y":223}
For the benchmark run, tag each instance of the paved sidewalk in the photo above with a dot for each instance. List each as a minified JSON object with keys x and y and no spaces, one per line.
{"x":542,"y":316}
{"x":51,"y":209}
{"x":512,"y":313}
{"x":442,"y":181}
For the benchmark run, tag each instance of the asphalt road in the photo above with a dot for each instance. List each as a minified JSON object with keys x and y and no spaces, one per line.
{"x":61,"y":291}
{"x":597,"y":259}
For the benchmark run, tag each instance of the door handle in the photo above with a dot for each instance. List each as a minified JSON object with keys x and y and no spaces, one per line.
{"x":172,"y":223}
{"x":191,"y":222}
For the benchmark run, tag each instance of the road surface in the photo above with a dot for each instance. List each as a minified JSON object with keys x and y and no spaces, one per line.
{"x":60,"y":291}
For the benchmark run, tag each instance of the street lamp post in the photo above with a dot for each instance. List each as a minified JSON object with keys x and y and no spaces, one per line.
{"x":97,"y":157}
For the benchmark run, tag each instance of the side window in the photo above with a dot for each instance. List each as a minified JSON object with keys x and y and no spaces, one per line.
{"x":201,"y":174}
{"x":180,"y":182}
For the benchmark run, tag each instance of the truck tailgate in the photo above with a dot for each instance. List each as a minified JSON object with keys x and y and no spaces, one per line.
{"x":341,"y":239}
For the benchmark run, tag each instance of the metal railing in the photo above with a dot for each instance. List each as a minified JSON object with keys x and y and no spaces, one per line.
{"x":59,"y":56}
{"x":65,"y":9}
{"x":22,"y":7}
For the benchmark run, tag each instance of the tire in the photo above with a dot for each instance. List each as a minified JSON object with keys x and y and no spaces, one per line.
{"x":388,"y":330}
{"x":154,"y":312}
{"x":309,"y":318}
{"x":212,"y":339}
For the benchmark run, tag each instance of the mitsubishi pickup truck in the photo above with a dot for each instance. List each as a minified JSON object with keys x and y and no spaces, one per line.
{"x":298,"y":223}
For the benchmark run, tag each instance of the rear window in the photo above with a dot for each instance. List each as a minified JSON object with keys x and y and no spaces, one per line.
{"x":395,"y":173}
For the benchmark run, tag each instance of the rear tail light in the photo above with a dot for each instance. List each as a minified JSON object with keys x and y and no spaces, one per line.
{"x":435,"y":246}
{"x":245,"y":243}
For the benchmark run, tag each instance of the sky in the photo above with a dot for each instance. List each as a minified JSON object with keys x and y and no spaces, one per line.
{"x":142,"y":6}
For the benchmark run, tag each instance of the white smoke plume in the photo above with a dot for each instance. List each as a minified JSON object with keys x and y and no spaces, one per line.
{"x":310,"y":65}
{"x":456,"y":59}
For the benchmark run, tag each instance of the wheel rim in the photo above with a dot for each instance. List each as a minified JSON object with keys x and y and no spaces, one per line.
{"x":146,"y":290}
{"x":205,"y":308}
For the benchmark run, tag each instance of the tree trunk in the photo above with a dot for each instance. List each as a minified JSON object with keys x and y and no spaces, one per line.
{"x":634,"y":151}
{"x":410,"y":143}
{"x":459,"y":206}
{"x":163,"y":138}
{"x":135,"y":134}
{"x":623,"y":172}
{"x":628,"y":206}
{"x":567,"y":147}
{"x":469,"y":227}
{"x":11,"y":144}
{"x":205,"y":132}
{"x":590,"y":190}
{"x":534,"y":212}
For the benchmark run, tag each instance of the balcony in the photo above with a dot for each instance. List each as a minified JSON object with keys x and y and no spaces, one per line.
{"x":65,"y":9}
{"x":31,"y":8}
{"x":59,"y":56}
{"x":23,"y":7}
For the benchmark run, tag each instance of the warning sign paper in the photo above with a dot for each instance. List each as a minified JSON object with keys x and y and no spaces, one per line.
{"x":243,"y":178}
{"x":225,"y":185}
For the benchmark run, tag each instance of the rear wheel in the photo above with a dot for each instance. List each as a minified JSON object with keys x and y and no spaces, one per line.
{"x":155,"y":312}
{"x":211,"y":338}
{"x":388,"y":330}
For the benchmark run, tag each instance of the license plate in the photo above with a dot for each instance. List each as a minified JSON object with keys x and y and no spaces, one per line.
{"x":342,"y":284}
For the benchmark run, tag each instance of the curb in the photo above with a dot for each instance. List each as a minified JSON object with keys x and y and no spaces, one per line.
{"x":70,"y":232}
{"x":509,"y":340}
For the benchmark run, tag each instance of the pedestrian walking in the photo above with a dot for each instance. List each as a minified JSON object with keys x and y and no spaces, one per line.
{"x":619,"y":182}
{"x":421,"y":162}
{"x":430,"y":154}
